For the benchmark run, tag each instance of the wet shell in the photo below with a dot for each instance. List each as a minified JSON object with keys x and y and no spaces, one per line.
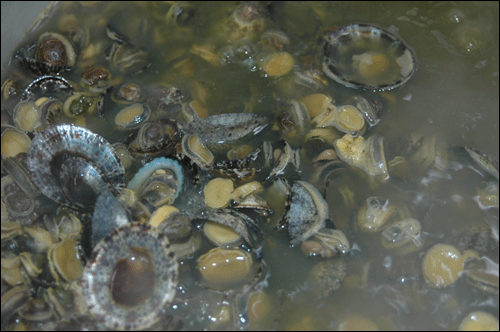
{"x":153,"y":137}
{"x":225,"y":130}
{"x":143,"y":179}
{"x":367,"y":155}
{"x":224,"y":269}
{"x":307,"y":212}
{"x":367,"y":57}
{"x":130,"y":277}
{"x":50,"y":161}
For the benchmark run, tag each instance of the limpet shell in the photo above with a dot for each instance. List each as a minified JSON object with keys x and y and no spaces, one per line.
{"x":51,"y":148}
{"x":367,"y":57}
{"x":130,"y":277}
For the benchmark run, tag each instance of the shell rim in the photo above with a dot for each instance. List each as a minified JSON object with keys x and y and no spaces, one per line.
{"x":357,"y":85}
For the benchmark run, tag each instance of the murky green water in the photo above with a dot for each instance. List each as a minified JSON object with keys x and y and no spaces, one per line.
{"x":453,"y":97}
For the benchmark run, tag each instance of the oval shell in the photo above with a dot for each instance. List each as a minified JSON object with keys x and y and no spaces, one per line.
{"x":59,"y":143}
{"x":224,"y":269}
{"x":442,"y":265}
{"x":130,"y":277}
{"x":367,"y":57}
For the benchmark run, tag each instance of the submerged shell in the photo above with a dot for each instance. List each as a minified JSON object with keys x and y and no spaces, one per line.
{"x":154,"y":137}
{"x":130,"y":277}
{"x":52,"y":157}
{"x":144,"y":178}
{"x":368,"y":57}
{"x":486,"y":161}
{"x":221,"y":131}
{"x":367,"y":155}
{"x":307,"y":212}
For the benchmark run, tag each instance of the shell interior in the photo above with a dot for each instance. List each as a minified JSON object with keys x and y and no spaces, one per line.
{"x":114,"y":311}
{"x":147,"y":170}
{"x":352,"y":46}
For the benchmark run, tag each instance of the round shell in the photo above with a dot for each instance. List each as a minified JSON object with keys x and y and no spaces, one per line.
{"x":130,"y":277}
{"x":140,"y":181}
{"x":367,"y":57}
{"x":56,"y":145}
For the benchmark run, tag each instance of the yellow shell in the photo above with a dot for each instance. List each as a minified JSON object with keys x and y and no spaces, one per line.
{"x":225,"y":269}
{"x":218,"y":193}
{"x":316,"y":103}
{"x":219,"y":234}
{"x":479,"y":321}
{"x":443,"y":264}
{"x":279,"y":64}
{"x":14,"y":142}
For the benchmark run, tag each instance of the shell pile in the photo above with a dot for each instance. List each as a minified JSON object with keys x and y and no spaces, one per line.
{"x":161,"y":171}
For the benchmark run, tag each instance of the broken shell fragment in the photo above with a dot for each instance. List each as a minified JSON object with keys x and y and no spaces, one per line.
{"x":367,"y":155}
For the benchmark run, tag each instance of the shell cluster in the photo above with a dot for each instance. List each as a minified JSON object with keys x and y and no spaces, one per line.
{"x":153,"y":181}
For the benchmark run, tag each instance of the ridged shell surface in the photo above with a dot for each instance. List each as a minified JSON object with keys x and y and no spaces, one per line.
{"x":52,"y":147}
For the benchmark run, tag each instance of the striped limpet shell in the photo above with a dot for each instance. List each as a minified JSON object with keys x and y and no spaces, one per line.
{"x":367,"y":57}
{"x":72,"y":165}
{"x":130,"y":277}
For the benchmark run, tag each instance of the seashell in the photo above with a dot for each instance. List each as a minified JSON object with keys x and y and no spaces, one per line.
{"x":222,"y":131}
{"x":481,"y":273}
{"x":27,"y":116}
{"x":486,"y":161}
{"x":46,"y":85}
{"x":17,"y":203}
{"x":59,"y":153}
{"x":36,"y":310}
{"x":346,"y":118}
{"x":479,"y":321}
{"x":247,"y":20}
{"x":127,"y":59}
{"x":52,"y":55}
{"x":180,"y":14}
{"x":95,"y":78}
{"x":127,"y":93}
{"x":401,"y":234}
{"x":316,"y":103}
{"x":225,"y":269}
{"x":193,"y":147}
{"x":278,"y":64}
{"x":293,"y":122}
{"x":367,"y":57}
{"x":159,"y":181}
{"x":374,"y":214}
{"x":108,"y":215}
{"x":371,"y":109}
{"x":367,"y":155}
{"x":80,"y":103}
{"x":289,"y":156}
{"x":14,"y":300}
{"x":130,"y":277}
{"x":217,"y":193}
{"x":14,"y":141}
{"x":238,"y":170}
{"x":133,"y":116}
{"x":65,"y":261}
{"x":443,"y":264}
{"x":306,"y":212}
{"x":238,"y":222}
{"x":327,"y":276}
{"x":153,"y":137}
{"x":326,"y":243}
{"x":274,"y":38}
